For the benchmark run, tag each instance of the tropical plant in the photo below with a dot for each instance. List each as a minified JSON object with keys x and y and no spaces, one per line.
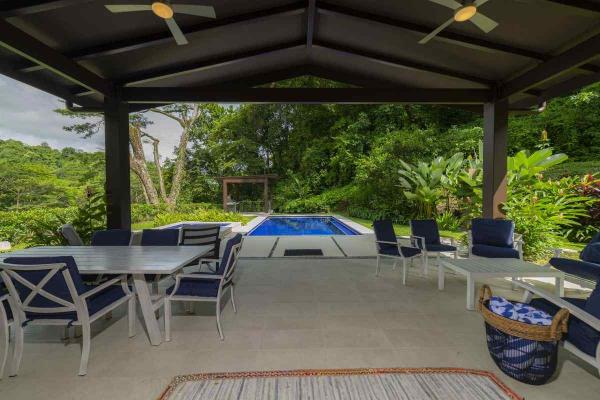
{"x":526,"y":166}
{"x":448,"y":221}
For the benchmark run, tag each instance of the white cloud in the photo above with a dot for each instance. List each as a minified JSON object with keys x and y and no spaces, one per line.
{"x":27,"y":114}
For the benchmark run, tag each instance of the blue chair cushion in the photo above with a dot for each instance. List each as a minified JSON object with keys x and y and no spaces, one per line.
{"x":111,"y":237}
{"x":581,"y":335}
{"x":591,"y":253}
{"x":493,"y":232}
{"x":426,"y":228}
{"x":196,"y":288}
{"x":482,"y":250}
{"x":440,"y":247}
{"x":384,"y":231}
{"x":56,"y":285}
{"x":393,"y":251}
{"x":160,"y":237}
{"x":578,"y":268}
{"x":224,"y":266}
{"x":95,"y":303}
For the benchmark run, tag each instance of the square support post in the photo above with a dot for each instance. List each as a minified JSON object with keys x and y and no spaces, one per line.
{"x":225,"y":194}
{"x":495,"y":133}
{"x":118,"y":195}
{"x":266,"y":194}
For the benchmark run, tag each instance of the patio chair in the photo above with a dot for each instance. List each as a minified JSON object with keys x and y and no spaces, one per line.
{"x":206,"y":286}
{"x":388,"y":245}
{"x":494,"y":238}
{"x":207,"y":235}
{"x":425,"y":235}
{"x":111,"y":237}
{"x":69,"y":233}
{"x":579,"y":269}
{"x":6,"y":322}
{"x":159,"y":237}
{"x":583,"y":335}
{"x":49,"y":291}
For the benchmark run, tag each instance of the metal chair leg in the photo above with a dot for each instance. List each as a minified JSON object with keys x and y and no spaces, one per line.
{"x":167,"y":320}
{"x":233,"y":297}
{"x":219,"y":319}
{"x":85,"y":347}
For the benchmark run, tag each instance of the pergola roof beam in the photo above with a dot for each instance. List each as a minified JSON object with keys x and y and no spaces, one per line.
{"x":401,"y":62}
{"x":581,"y":4}
{"x":131,"y":44}
{"x":311,"y":17}
{"x":556,"y":66}
{"x":304,"y":96}
{"x":27,"y":46}
{"x":25,"y":7}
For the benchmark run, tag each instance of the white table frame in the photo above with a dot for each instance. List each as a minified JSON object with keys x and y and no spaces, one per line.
{"x":136,"y":261}
{"x":497,"y":268}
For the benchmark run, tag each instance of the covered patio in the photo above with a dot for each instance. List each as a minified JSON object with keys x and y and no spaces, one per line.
{"x":296,"y":313}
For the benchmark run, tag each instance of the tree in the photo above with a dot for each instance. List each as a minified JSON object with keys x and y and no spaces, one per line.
{"x":188,"y":116}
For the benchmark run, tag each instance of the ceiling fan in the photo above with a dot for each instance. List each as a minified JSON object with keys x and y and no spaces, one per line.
{"x":467,"y":10}
{"x":165,"y":9}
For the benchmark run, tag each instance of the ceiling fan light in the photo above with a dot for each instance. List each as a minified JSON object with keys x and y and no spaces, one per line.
{"x":162,"y":10}
{"x":465,"y":13}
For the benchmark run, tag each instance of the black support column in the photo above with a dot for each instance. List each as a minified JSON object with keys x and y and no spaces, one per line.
{"x":495,"y":132}
{"x":118,"y":196}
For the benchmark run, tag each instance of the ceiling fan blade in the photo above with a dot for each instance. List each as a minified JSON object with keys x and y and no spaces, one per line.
{"x":119,"y":8}
{"x":436,"y":31}
{"x":192,"y":9}
{"x":484,"y":23}
{"x":448,"y":3}
{"x":176,"y":31}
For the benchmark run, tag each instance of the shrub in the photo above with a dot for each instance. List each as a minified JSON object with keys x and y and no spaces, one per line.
{"x":200,"y":215}
{"x":448,"y":221}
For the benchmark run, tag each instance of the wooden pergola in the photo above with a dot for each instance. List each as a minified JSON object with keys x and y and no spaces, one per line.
{"x":264,"y":180}
{"x":122,"y":63}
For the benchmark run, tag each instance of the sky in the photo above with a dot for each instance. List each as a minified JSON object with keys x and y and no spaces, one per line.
{"x":27,"y":115}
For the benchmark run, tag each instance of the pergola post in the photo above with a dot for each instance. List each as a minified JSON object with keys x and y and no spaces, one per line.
{"x":225,"y":194}
{"x":118,"y":196}
{"x":495,"y":132}
{"x":266,"y":194}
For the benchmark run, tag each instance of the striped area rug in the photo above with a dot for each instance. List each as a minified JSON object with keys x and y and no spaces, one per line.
{"x":349,"y":384}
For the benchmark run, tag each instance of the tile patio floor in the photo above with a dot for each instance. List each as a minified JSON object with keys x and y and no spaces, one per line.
{"x":297,"y":313}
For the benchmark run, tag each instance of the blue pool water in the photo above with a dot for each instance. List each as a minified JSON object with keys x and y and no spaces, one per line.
{"x":300,"y":226}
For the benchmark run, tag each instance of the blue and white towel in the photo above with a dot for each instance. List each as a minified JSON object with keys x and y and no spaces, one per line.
{"x":519,"y":312}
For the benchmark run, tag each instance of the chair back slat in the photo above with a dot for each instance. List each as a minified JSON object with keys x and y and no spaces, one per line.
{"x":69,"y":233}
{"x":160,"y":237}
{"x":111,"y":237}
{"x":43,"y":284}
{"x":200,"y":235}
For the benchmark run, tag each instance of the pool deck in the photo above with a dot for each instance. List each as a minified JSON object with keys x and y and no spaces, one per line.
{"x":333,"y":246}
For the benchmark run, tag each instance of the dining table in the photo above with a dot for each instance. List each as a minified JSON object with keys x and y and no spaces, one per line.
{"x":134,"y":261}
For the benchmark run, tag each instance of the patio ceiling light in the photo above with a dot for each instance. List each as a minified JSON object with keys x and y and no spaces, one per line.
{"x":465,"y":13}
{"x":162,"y":10}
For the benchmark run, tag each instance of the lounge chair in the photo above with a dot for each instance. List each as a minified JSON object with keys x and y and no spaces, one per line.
{"x":206,"y":287}
{"x":388,"y":245}
{"x":583,"y":335}
{"x":49,"y":291}
{"x":425,"y":235}
{"x":494,"y":238}
{"x":159,"y":237}
{"x":579,"y":269}
{"x":205,"y":235}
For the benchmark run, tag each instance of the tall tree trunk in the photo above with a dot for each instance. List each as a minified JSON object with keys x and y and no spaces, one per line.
{"x":179,"y":173}
{"x":156,"y":156}
{"x":137,"y":162}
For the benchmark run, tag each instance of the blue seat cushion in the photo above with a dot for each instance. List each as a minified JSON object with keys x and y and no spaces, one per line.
{"x":426,"y":228}
{"x":440,"y":247}
{"x":95,"y":303}
{"x":160,"y":237}
{"x":482,"y":250}
{"x":111,"y":237}
{"x":493,"y":232}
{"x":196,"y":288}
{"x":582,"y":269}
{"x":581,"y":335}
{"x":392,"y":250}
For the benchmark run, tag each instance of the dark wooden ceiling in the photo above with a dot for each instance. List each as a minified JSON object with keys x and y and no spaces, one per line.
{"x":78,"y":50}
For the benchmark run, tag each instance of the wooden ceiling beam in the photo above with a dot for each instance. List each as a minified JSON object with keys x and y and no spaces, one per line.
{"x":580,"y":4}
{"x":26,"y":7}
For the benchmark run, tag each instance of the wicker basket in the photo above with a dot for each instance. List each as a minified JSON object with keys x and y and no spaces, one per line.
{"x":525,"y":352}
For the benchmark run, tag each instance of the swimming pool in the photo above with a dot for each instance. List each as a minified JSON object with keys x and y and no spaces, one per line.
{"x":301,"y":226}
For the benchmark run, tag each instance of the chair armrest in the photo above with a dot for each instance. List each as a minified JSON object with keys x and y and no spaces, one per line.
{"x":575,"y":311}
{"x":209,"y":260}
{"x":199,"y":276}
{"x":557,"y":252}
{"x":385,"y":242}
{"x":99,"y":288}
{"x":415,"y":239}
